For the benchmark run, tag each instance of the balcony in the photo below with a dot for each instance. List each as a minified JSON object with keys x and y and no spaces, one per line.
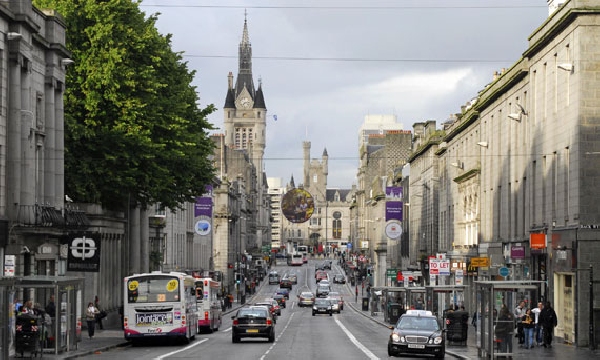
{"x":46,"y":216}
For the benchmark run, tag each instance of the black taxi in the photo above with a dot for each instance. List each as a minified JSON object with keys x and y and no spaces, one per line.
{"x":417,"y":332}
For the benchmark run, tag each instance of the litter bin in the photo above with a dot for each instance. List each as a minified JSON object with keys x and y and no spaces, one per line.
{"x":365,"y":304}
{"x":457,"y":326}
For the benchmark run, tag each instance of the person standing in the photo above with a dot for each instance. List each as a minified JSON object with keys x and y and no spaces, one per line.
{"x":519,"y":313}
{"x":538,"y":324}
{"x":504,"y":329}
{"x":549,"y":322}
{"x":100,"y":314}
{"x":51,"y":307}
{"x":90,"y":317}
{"x":528,"y":325}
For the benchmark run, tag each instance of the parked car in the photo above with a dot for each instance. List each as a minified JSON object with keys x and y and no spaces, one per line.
{"x":280,"y":299}
{"x":417,"y":332}
{"x":306,"y":298}
{"x":339,"y":279}
{"x":322,"y":306}
{"x":252,"y":321}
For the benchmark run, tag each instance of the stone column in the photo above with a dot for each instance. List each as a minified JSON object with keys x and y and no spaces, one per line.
{"x":380,"y":261}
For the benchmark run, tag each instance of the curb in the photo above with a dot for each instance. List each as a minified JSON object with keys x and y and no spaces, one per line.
{"x":93,"y":351}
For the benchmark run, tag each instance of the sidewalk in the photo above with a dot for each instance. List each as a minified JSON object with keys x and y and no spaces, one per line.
{"x":558,"y":350}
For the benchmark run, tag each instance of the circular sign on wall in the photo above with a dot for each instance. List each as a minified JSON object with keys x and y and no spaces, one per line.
{"x":202,"y":227}
{"x":393,"y":229}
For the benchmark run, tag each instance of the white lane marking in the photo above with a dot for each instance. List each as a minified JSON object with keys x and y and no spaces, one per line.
{"x":356,"y":342}
{"x":278,"y":337}
{"x":226,"y":330}
{"x":184,"y":349}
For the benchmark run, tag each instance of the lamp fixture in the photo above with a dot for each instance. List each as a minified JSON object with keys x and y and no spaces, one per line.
{"x":483,"y":144}
{"x":515,"y":117}
{"x":458,"y":164}
{"x":67,"y":62}
{"x":13,"y":36}
{"x":565,"y":66}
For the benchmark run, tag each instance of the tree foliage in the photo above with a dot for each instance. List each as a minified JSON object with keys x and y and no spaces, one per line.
{"x":133,"y":129}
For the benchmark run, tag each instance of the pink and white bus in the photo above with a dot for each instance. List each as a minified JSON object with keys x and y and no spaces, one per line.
{"x":208,"y":304}
{"x":159,"y":304}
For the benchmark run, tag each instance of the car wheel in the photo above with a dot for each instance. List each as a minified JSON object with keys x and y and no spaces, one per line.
{"x":235,"y":339}
{"x":390,"y":352}
{"x":272,"y":337}
{"x":313,"y":313}
{"x":441,"y":355}
{"x":331,"y":313}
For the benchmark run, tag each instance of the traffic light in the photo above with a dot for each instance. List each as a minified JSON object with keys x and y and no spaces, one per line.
{"x":238,"y":278}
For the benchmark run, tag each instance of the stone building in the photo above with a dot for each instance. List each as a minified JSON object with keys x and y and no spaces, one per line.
{"x":516,"y":173}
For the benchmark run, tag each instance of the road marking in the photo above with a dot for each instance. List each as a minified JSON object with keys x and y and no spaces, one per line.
{"x":226,"y":330}
{"x":178,"y":351}
{"x":278,"y":337}
{"x":356,"y":342}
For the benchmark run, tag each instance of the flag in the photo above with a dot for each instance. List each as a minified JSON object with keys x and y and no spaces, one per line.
{"x":275,"y":117}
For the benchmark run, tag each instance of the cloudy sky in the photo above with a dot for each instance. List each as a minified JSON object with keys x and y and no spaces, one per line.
{"x":325,"y":64}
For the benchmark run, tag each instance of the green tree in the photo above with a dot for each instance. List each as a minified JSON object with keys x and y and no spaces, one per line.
{"x":133,"y":129}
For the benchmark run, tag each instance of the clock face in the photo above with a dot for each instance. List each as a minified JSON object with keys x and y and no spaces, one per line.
{"x":245,"y":102}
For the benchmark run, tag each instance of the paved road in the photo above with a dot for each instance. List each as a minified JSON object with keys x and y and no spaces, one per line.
{"x":353,"y":334}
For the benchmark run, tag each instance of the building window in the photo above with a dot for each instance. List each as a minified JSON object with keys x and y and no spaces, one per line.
{"x":337,"y":229}
{"x":315,"y":178}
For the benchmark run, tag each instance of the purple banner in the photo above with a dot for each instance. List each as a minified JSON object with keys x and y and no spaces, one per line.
{"x":393,"y":192}
{"x":517,"y":252}
{"x":393,"y":210}
{"x":203,"y":206}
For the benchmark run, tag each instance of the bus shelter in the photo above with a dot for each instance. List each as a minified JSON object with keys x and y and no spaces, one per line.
{"x":63,"y":331}
{"x":441,"y":298}
{"x":495,"y":335}
{"x":397,"y":300}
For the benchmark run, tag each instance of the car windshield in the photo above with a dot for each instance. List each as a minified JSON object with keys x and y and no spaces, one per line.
{"x":306,"y":294}
{"x":322,"y":302}
{"x":417,"y":323}
{"x":252,"y":313}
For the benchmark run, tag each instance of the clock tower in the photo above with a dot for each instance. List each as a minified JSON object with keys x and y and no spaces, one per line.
{"x":245,"y":116}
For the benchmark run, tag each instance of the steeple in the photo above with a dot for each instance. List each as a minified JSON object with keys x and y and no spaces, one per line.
{"x":244,"y":78}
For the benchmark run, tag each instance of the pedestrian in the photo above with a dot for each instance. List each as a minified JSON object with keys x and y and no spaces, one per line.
{"x":504,"y":330}
{"x":538,"y":324}
{"x":101,"y":313}
{"x":519,"y":313}
{"x":230,"y":300}
{"x":528,"y":326}
{"x":356,"y":297}
{"x":474,"y":320}
{"x":51,"y":307}
{"x":90,"y":317}
{"x":549,"y":322}
{"x":226,"y":302}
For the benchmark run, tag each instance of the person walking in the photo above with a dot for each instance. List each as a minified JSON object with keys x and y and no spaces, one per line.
{"x":528,"y":326}
{"x":519,"y":313}
{"x":538,"y":324}
{"x":90,"y":317}
{"x":549,"y":322}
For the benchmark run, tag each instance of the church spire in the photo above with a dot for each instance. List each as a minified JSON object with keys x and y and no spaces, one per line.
{"x":244,"y":78}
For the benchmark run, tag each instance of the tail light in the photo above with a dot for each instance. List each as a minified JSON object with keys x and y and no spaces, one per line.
{"x":206,"y":315}
{"x":269,"y":322}
{"x":235,"y":322}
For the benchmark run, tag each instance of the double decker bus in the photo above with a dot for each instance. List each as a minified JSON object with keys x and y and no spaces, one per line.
{"x":208,"y":304}
{"x":160,"y":304}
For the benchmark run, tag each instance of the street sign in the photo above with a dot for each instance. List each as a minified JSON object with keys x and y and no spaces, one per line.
{"x":439,"y":267}
{"x":480,"y":262}
{"x":503,"y":271}
{"x":391,"y":273}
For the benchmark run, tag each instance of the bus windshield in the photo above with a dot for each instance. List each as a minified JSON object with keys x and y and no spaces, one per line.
{"x":152,"y":289}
